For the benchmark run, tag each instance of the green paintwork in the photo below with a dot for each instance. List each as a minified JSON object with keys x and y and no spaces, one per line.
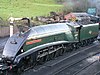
{"x":71,"y":36}
{"x":89,"y":32}
{"x":47,"y":39}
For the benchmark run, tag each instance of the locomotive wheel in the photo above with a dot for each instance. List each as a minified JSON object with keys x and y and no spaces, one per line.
{"x":47,"y":58}
{"x":20,"y":70}
{"x":70,"y":48}
{"x":81,"y":44}
{"x":74,"y":47}
{"x":20,"y":67}
{"x":5,"y":73}
{"x":90,"y":41}
{"x":61,"y":52}
{"x":65,"y":48}
{"x":41,"y":60}
{"x":56,"y":53}
{"x":77,"y":45}
{"x":93,"y":39}
{"x":86,"y":42}
{"x":51,"y":56}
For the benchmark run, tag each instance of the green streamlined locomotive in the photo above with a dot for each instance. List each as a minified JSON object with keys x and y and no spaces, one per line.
{"x":42,"y":43}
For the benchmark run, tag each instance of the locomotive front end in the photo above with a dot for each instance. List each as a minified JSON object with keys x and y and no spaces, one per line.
{"x":12,"y":48}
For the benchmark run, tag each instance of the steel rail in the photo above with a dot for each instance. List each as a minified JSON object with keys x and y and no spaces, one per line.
{"x":72,"y":64}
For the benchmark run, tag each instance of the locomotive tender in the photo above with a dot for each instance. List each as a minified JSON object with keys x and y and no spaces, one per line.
{"x":42,"y":43}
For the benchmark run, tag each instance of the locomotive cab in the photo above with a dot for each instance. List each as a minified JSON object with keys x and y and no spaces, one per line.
{"x":75,"y":28}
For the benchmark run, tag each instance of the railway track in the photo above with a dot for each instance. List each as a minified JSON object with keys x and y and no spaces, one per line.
{"x":58,"y":66}
{"x":93,"y":69}
{"x":59,"y":72}
{"x":77,"y":67}
{"x":98,"y":73}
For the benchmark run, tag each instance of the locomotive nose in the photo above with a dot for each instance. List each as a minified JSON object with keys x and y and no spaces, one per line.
{"x":13,"y":45}
{"x":7,"y":59}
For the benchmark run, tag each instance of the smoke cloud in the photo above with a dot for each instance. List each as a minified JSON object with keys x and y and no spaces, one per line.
{"x":82,"y":5}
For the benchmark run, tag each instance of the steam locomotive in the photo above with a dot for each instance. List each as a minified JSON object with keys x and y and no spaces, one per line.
{"x":45,"y":42}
